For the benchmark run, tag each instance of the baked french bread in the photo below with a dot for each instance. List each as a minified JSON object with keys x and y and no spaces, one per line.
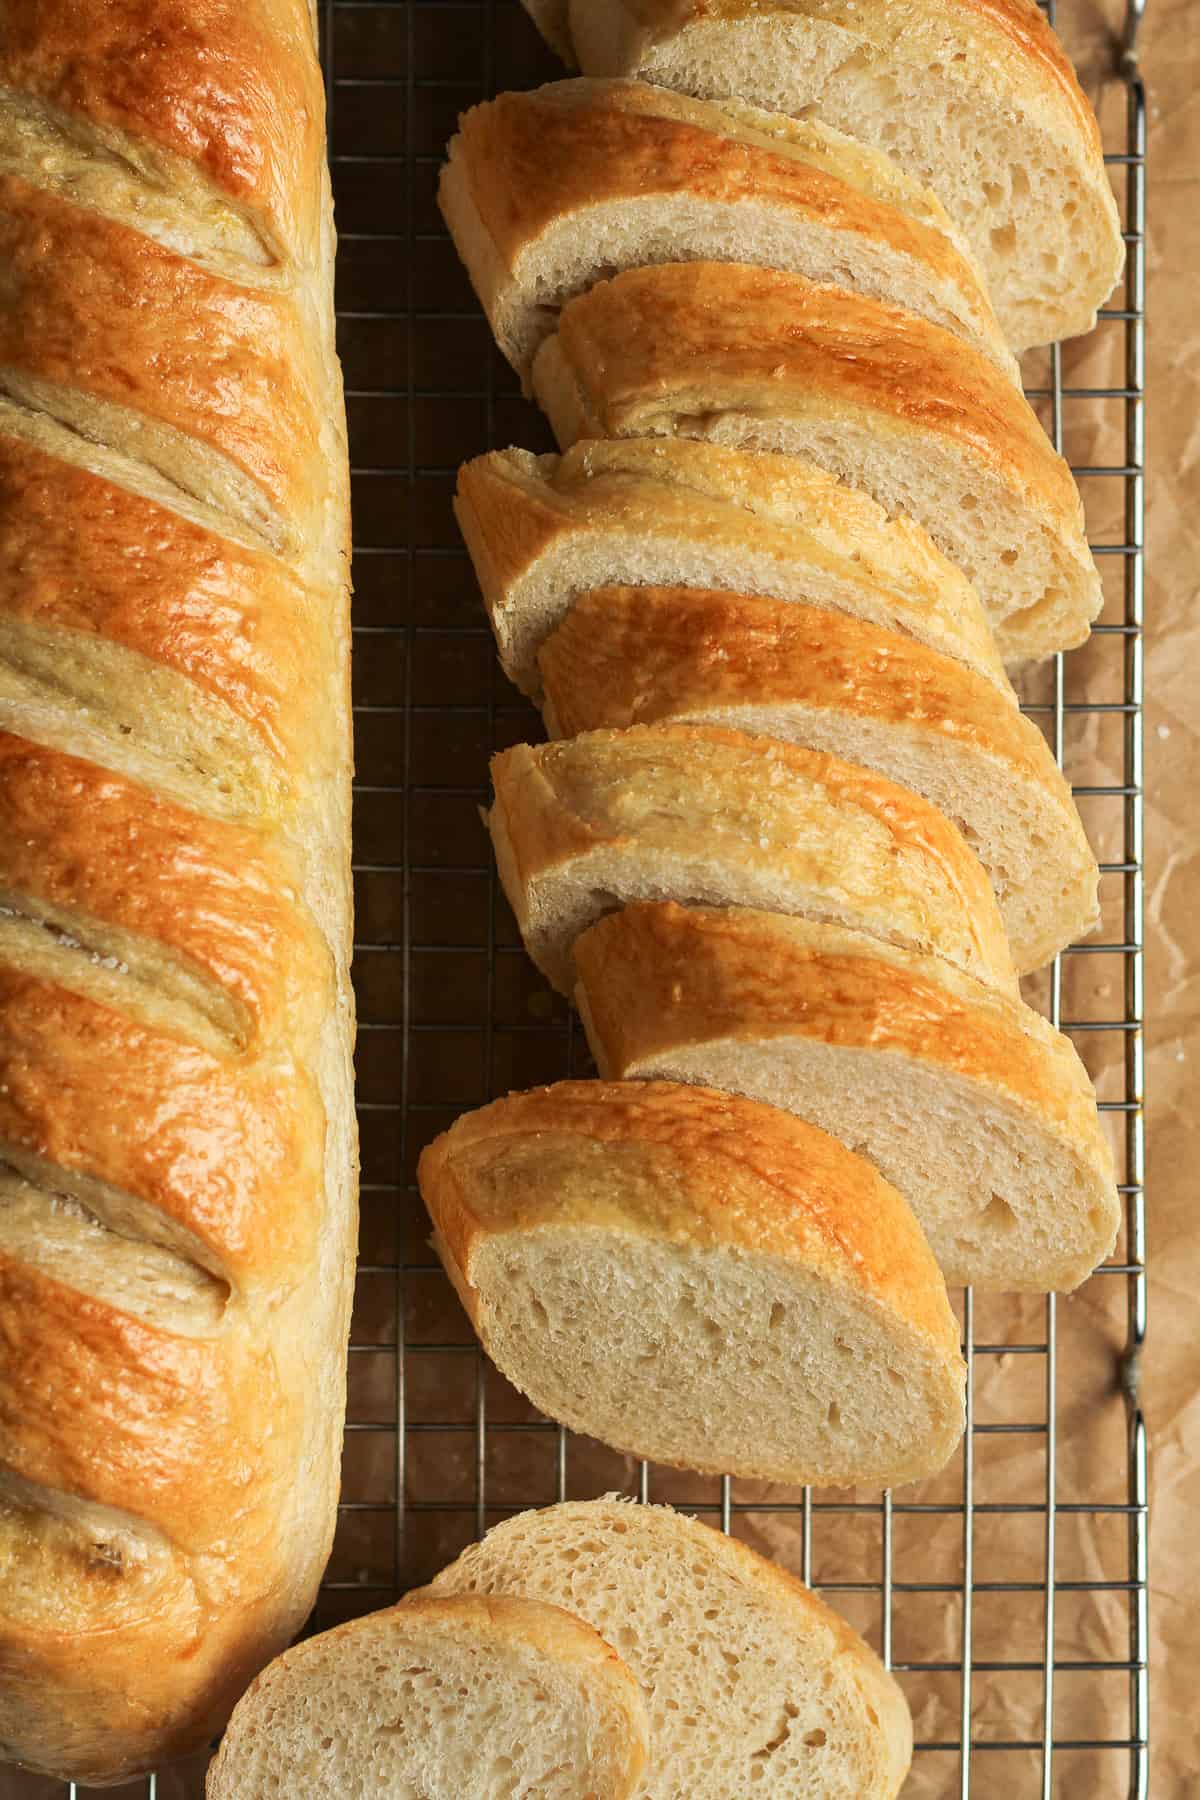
{"x":546,"y":192}
{"x":968,"y":1102}
{"x":759,"y":359}
{"x":450,"y":1697}
{"x":176,"y":1124}
{"x":803,"y":675}
{"x":975,"y":99}
{"x":715,"y":817}
{"x":753,"y":1684}
{"x":699,"y":1280}
{"x":542,"y":530}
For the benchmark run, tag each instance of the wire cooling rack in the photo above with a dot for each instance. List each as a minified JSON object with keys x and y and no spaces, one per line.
{"x":1010,"y":1596}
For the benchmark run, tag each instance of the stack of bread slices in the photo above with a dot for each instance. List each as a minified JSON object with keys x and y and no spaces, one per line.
{"x":792,"y":842}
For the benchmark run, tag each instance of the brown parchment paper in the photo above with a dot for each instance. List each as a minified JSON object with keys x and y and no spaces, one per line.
{"x":457,"y":1063}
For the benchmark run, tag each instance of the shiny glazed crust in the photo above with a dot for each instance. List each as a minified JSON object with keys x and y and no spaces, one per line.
{"x":785,"y":976}
{"x":581,"y":157}
{"x":528,"y":518}
{"x":661,"y":979}
{"x":642,"y":656}
{"x":177,"y":1164}
{"x":697,"y":349}
{"x":683,"y":807}
{"x":745,"y":1176}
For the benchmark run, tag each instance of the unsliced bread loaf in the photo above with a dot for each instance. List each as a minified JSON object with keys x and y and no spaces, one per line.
{"x":699,"y":1280}
{"x":546,"y":192}
{"x":763,"y":360}
{"x":457,"y":1696}
{"x":753,"y":1685}
{"x":634,"y":656}
{"x":541,"y":530}
{"x":967,"y":1101}
{"x":975,"y":98}
{"x":714,"y":817}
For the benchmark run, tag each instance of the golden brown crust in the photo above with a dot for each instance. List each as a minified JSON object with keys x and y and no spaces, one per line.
{"x":81,"y":554}
{"x":176,"y":1126}
{"x":96,"y":307}
{"x":516,"y":512}
{"x":535,"y":160}
{"x":88,"y":846}
{"x":686,"y":336}
{"x":659,"y":976}
{"x":734,"y":1173}
{"x":812,"y":829}
{"x":208,"y":1143}
{"x":232,"y":88}
{"x":640,"y":656}
{"x":633,"y":656}
{"x":93,"y":1399}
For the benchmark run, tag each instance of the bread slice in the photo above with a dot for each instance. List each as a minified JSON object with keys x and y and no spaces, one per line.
{"x":713,"y":817}
{"x":753,"y":1685}
{"x":975,"y":99}
{"x":541,"y":530}
{"x":969,"y":1103}
{"x":763,"y":360}
{"x":455,"y":1696}
{"x":546,"y":192}
{"x":800,"y":674}
{"x":699,"y":1280}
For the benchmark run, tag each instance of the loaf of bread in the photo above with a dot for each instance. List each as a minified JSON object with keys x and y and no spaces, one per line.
{"x":763,"y":360}
{"x":974,"y":98}
{"x":969,"y":1103}
{"x":699,"y":1280}
{"x":753,"y":1685}
{"x":542,"y":530}
{"x":457,"y":1696}
{"x":802,"y":675}
{"x":714,"y":817}
{"x":176,"y":1124}
{"x":546,"y":192}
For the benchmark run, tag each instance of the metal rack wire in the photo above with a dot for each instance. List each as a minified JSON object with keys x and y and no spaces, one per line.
{"x":437,"y":1447}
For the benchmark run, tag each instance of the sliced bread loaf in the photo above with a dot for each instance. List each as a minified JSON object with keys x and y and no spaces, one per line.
{"x":974,"y":98}
{"x":548,"y":191}
{"x":966,"y":1100}
{"x":753,"y":1685}
{"x":541,"y":530}
{"x":634,"y":656}
{"x":713,"y":817}
{"x":455,"y":1696}
{"x":763,"y":360}
{"x":699,"y":1280}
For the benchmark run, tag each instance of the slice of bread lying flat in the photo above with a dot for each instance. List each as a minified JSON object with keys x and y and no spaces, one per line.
{"x":547,"y":192}
{"x":762,"y":360}
{"x":974,"y":98}
{"x":699,"y":1280}
{"x":541,"y":530}
{"x":969,"y":1103}
{"x":634,"y":656}
{"x":448,"y":1697}
{"x":753,"y":1685}
{"x":713,"y":817}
